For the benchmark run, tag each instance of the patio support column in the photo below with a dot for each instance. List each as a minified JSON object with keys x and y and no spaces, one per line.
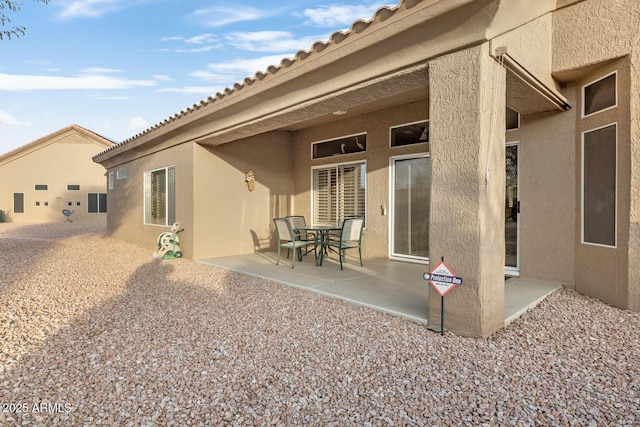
{"x":467,"y":134}
{"x":634,"y":202}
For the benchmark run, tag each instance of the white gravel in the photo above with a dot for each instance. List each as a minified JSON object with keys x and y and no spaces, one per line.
{"x":94,"y":331}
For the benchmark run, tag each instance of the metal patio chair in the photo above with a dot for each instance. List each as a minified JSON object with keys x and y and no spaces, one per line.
{"x":298,"y":222}
{"x":289,"y":239}
{"x":350,"y":238}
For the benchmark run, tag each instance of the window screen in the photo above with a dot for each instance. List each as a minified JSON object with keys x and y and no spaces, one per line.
{"x":415,"y":133}
{"x":18,"y":202}
{"x":42,"y":187}
{"x":513,"y":119}
{"x":345,"y":145}
{"x":600,"y":95}
{"x":599,"y":169}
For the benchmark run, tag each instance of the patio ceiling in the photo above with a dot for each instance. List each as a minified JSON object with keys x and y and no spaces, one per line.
{"x":398,"y":88}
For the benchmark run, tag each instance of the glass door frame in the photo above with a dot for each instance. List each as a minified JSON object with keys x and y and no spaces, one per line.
{"x":391,"y":210}
{"x":511,"y":270}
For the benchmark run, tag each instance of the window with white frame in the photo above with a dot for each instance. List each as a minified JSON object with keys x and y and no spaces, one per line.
{"x":599,"y":176}
{"x":159,"y":196}
{"x":96,"y":203}
{"x":343,"y":145}
{"x":121,"y":174}
{"x":599,"y":95}
{"x":339,"y":191}
{"x":512,"y":119}
{"x":110,"y":179}
{"x":412,"y":133}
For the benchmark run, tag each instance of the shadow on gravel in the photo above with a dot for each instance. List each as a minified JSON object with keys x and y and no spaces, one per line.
{"x":190,"y":344}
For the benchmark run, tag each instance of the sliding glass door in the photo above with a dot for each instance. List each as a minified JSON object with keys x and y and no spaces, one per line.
{"x":511,"y":212}
{"x":410,"y":204}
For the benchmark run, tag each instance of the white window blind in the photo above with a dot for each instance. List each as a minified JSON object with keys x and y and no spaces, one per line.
{"x":338,"y":192}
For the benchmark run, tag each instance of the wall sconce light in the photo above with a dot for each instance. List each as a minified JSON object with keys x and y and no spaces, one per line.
{"x":250,"y":180}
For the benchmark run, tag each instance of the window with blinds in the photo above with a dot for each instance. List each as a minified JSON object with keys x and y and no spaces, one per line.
{"x":159,"y":196}
{"x":339,"y":192}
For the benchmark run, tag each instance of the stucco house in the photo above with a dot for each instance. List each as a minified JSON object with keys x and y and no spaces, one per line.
{"x":503,"y":135}
{"x":54,"y":173}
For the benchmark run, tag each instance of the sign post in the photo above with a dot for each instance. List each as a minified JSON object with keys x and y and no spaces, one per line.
{"x":443,"y":280}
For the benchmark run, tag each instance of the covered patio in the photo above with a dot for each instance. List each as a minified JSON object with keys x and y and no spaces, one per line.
{"x":393,"y":287}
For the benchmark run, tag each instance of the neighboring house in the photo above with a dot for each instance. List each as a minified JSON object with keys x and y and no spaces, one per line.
{"x":41,"y":179}
{"x":402,"y":118}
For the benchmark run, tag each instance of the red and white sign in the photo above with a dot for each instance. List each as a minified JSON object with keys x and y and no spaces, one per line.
{"x":442,"y":278}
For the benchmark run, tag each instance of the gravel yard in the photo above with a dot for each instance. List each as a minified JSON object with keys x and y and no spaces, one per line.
{"x":94,"y":331}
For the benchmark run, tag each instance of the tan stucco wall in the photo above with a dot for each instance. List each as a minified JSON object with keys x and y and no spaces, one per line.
{"x":126,"y":200}
{"x":547,"y":173}
{"x":230,"y":219}
{"x":533,"y":53}
{"x":62,"y":160}
{"x":587,"y":36}
{"x":594,"y":31}
{"x":377,"y":126}
{"x":634,"y":183}
{"x":467,"y":198}
{"x":602,"y":272}
{"x":546,"y":163}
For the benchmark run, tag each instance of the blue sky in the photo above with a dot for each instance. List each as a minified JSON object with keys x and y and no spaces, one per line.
{"x":117,"y":67}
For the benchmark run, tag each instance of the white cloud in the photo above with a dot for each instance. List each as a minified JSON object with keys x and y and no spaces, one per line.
{"x":202,"y":38}
{"x":203,"y":91}
{"x":269,"y":41}
{"x":229,"y":72}
{"x":9,"y":120}
{"x":92,"y":8}
{"x":18,"y":83}
{"x":217,"y":16}
{"x":111,"y":98}
{"x":138,"y":124}
{"x":98,"y":70}
{"x":334,"y":16}
{"x":162,"y":77}
{"x":198,"y":49}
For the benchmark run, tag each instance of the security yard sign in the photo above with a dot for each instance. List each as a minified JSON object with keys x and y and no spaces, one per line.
{"x":442,"y":278}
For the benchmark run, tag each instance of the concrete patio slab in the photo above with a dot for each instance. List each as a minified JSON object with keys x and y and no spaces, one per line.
{"x":393,"y":287}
